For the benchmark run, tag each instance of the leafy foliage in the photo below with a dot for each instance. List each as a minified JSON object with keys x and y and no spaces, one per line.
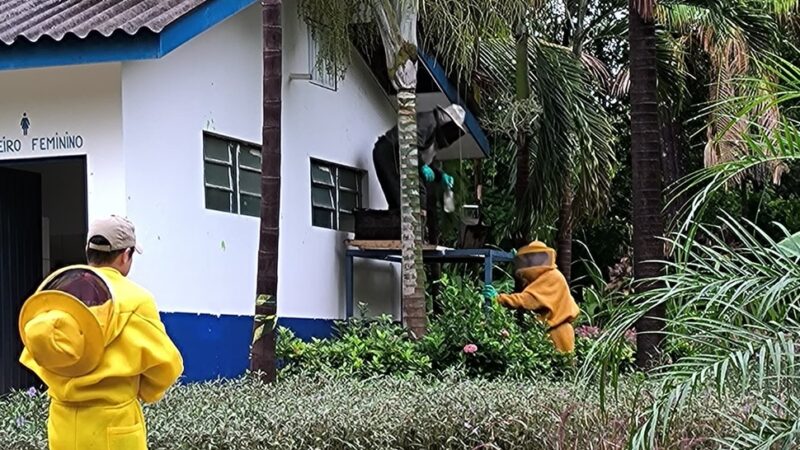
{"x":572,"y":132}
{"x":737,"y":309}
{"x":362,"y":348}
{"x":470,"y":336}
{"x":329,"y":413}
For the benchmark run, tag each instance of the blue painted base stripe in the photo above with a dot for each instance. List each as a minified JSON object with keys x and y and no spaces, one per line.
{"x":219,"y":346}
{"x":307,"y":329}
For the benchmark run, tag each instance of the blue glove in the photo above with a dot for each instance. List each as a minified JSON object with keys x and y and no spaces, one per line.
{"x":489,"y":292}
{"x":427,"y":173}
{"x":447,"y":181}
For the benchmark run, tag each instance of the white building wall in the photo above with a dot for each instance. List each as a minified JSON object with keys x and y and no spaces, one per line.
{"x":340,"y":127}
{"x":202,"y":261}
{"x":195,"y":260}
{"x":81,"y":101}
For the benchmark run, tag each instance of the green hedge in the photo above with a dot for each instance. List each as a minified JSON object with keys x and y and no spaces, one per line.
{"x":302,"y":412}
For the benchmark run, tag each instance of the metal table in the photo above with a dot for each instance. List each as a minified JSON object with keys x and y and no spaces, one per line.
{"x":487,"y":257}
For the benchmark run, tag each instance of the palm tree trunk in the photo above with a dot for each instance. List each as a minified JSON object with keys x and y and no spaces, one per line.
{"x":397,"y":25}
{"x":565,"y":223}
{"x":523,"y":92}
{"x":263,"y":349}
{"x":565,"y":214}
{"x":413,"y":273}
{"x":672,"y":143}
{"x":648,"y":225}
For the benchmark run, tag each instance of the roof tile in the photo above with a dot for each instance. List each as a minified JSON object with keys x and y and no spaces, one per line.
{"x":32,"y":19}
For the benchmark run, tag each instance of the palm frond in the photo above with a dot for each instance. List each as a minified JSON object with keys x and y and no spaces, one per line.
{"x":766,"y":145}
{"x":572,"y":130}
{"x":737,"y":308}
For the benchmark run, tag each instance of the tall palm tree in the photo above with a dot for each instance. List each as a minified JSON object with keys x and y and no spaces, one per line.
{"x":522,"y":89}
{"x":397,"y":24}
{"x":570,"y":134}
{"x":263,"y":348}
{"x":648,"y":225}
{"x":731,"y":35}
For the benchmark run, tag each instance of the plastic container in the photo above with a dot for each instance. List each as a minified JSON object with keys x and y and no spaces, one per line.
{"x":449,"y":202}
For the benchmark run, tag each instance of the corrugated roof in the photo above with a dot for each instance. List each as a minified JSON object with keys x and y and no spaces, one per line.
{"x":32,"y":19}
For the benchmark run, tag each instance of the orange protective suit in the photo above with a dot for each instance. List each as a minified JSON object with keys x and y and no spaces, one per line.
{"x":546,"y":293}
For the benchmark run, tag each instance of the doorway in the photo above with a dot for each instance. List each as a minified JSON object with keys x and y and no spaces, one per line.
{"x":43,"y":226}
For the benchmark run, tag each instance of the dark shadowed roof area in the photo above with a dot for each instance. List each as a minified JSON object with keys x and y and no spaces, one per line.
{"x":32,"y":19}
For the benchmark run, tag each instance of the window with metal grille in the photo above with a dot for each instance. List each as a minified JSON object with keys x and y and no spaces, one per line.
{"x":232,"y":175}
{"x":336,"y":192}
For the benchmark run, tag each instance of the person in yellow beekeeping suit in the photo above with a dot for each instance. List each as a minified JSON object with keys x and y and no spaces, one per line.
{"x":96,"y":340}
{"x":546,"y":293}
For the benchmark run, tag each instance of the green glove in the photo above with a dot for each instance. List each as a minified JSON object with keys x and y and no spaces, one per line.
{"x":428,"y":174}
{"x":447,"y":181}
{"x":489,"y":292}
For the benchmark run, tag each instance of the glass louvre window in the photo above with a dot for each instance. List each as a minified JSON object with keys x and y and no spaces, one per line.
{"x":335,"y":195}
{"x":319,"y":75}
{"x":232,"y":175}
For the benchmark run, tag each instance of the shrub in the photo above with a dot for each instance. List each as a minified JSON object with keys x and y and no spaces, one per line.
{"x":329,"y":413}
{"x":469,"y":335}
{"x":362,"y":348}
{"x":503,"y":345}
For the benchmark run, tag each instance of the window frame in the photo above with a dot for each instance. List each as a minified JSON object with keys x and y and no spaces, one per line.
{"x":318,"y":75}
{"x":235,"y":167}
{"x":335,"y":168}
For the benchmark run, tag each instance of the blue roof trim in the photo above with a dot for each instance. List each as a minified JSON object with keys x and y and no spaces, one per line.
{"x":438,"y":73}
{"x":120,"y":46}
{"x":199,"y":20}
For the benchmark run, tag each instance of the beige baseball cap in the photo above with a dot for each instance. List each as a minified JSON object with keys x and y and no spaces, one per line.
{"x":118,"y":231}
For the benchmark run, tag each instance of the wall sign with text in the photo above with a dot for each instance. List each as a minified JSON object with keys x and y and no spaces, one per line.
{"x":29,"y":142}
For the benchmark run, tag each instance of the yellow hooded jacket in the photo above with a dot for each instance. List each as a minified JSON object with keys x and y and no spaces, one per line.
{"x":547,"y":294}
{"x":100,"y":410}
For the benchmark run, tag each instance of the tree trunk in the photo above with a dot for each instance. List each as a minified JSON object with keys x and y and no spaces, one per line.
{"x":672,"y":144}
{"x":413,"y":273}
{"x":565,"y":223}
{"x":263,"y":348}
{"x":648,"y":225}
{"x":565,"y":214}
{"x":523,"y":92}
{"x":397,"y":24}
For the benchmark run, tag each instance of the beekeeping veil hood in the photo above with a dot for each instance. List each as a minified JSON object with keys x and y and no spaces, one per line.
{"x":70,"y":319}
{"x":533,"y":260}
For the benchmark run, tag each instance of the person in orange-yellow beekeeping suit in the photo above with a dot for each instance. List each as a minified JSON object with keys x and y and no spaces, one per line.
{"x":546,"y":293}
{"x":96,"y":340}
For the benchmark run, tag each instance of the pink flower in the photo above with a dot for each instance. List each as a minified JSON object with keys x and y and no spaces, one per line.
{"x":470,"y":349}
{"x":630,"y":336}
{"x":588,"y":331}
